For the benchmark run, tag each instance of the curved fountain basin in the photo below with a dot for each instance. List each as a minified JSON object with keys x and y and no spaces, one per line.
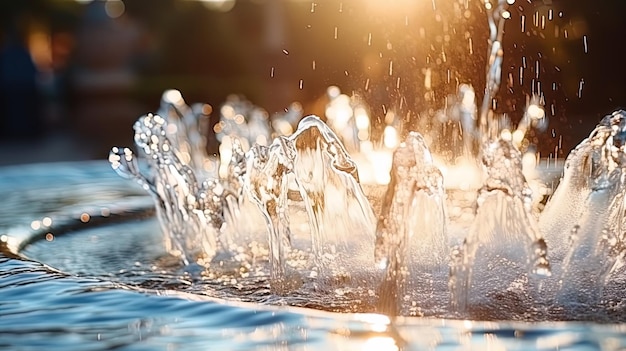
{"x":101,"y":281}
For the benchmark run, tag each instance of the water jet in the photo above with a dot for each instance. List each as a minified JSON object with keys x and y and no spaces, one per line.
{"x":294,"y":213}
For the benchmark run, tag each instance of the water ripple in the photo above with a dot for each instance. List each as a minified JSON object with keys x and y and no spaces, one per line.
{"x":103,"y":295}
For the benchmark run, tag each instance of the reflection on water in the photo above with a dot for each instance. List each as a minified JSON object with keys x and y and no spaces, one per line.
{"x":117,"y":297}
{"x":42,"y":308}
{"x":45,"y":308}
{"x":113,"y":286}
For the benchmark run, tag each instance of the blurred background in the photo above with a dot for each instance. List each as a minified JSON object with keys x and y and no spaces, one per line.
{"x":75,"y":75}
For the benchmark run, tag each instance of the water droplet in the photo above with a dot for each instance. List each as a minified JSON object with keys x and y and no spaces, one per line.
{"x":581,"y":84}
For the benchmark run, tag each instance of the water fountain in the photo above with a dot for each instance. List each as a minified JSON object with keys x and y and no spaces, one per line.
{"x":290,"y":214}
{"x":306,"y":189}
{"x":411,"y":241}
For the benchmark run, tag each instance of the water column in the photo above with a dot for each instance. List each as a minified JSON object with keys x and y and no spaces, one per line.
{"x":583,"y":222}
{"x":410,"y":235}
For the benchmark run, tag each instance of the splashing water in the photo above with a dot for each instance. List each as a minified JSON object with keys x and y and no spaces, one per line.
{"x":591,"y":199}
{"x":296,"y":211}
{"x":328,"y":181}
{"x":312,"y":161}
{"x":315,"y":162}
{"x":288,"y":205}
{"x":177,"y":194}
{"x":184,"y":126}
{"x":410,"y":234}
{"x":496,"y":18}
{"x":504,"y":232}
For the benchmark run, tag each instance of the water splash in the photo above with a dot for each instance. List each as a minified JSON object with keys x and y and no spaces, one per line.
{"x":295,"y":214}
{"x":184,"y":126}
{"x":591,"y":199}
{"x":241,"y":119}
{"x":214,"y":212}
{"x":504,"y":233}
{"x":496,"y":17}
{"x":175,"y":190}
{"x":348,"y":117}
{"x":327,"y":181}
{"x":266,"y":182}
{"x":410,"y":234}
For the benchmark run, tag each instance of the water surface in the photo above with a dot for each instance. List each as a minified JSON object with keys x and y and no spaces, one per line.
{"x":104,"y":282}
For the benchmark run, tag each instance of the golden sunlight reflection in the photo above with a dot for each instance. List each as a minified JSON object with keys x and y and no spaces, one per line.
{"x":464,"y":174}
{"x":374,"y":165}
{"x":534,"y":117}
{"x":492,"y":343}
{"x":467,"y":324}
{"x":174,"y":96}
{"x":396,"y":6}
{"x":85,"y":217}
{"x":535,"y":111}
{"x":391,"y":139}
{"x":505,"y":134}
{"x":380,"y":343}
{"x":46,"y":221}
{"x":378,"y":322}
{"x":219,"y":5}
{"x":362,"y":121}
{"x":339,"y":112}
{"x":225,"y":154}
{"x":35,"y":225}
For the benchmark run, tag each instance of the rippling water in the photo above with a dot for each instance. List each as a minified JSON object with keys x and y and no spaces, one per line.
{"x":111,"y":286}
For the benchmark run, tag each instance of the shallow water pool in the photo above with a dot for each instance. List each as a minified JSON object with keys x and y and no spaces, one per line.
{"x":103,"y":281}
